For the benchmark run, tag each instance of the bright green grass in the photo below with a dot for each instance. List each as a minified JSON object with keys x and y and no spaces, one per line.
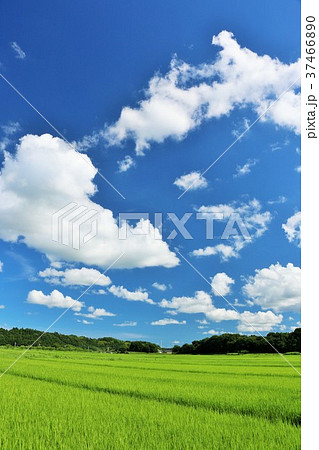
{"x":77,"y":400}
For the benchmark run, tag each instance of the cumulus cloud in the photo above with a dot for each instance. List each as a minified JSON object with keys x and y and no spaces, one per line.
{"x":224,"y":251}
{"x":139,"y":295}
{"x":260,"y":321}
{"x":19,"y":53}
{"x":292,"y":228}
{"x":159,"y":286}
{"x":186,"y":96}
{"x":2,"y":306}
{"x":75,"y":277}
{"x":211,"y":332}
{"x":202,"y":302}
{"x":221,"y":284}
{"x":248,"y":217}
{"x":1,"y":266}
{"x":54,"y":300}
{"x":277,"y":287}
{"x":191,"y":181}
{"x":44,"y":176}
{"x":245,"y":169}
{"x":96,"y":313}
{"x":168,"y":322}
{"x":126,"y":164}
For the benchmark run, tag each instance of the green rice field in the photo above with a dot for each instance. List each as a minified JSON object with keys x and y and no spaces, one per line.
{"x":82,"y":400}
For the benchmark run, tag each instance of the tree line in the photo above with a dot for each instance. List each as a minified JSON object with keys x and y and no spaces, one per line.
{"x":56,"y":341}
{"x":218,"y":344}
{"x":239,"y":343}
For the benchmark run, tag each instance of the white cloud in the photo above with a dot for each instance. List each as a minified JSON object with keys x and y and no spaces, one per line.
{"x":75,"y":277}
{"x":125,"y":324}
{"x":1,"y":266}
{"x":224,"y":251}
{"x":221,"y":314}
{"x":139,"y":295}
{"x":202,"y":303}
{"x":211,"y":332}
{"x":186,"y":96}
{"x":126,"y":164}
{"x":241,"y":128}
{"x":47,"y":174}
{"x":260,"y":321}
{"x":202,"y":322}
{"x":19,"y":53}
{"x":292,"y":228}
{"x":98,"y":291}
{"x":171,"y":312}
{"x":245,"y":169}
{"x":221,"y":284}
{"x":96,"y":313}
{"x":191,"y":181}
{"x":10,"y":128}
{"x":54,"y":300}
{"x":277,"y":287}
{"x":279,"y":201}
{"x":298,"y":169}
{"x":159,"y":286}
{"x":248,"y":215}
{"x":2,"y":306}
{"x":86,"y":322}
{"x":168,"y":322}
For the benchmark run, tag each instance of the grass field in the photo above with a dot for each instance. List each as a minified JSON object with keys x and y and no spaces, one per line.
{"x":78,"y":400}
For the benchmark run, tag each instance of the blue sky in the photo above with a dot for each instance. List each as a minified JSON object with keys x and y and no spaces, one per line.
{"x":120,"y":79}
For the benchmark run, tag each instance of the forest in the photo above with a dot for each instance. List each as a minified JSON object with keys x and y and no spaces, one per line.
{"x":240,"y":343}
{"x":217,"y":344}
{"x":56,"y":341}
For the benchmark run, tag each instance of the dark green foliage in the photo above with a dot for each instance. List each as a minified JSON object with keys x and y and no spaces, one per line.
{"x":26,"y":337}
{"x":142,"y":346}
{"x":238,"y":343}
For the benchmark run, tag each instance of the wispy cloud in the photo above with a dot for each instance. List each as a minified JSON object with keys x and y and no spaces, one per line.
{"x":19,"y":53}
{"x":245,"y":169}
{"x":126,"y":164}
{"x":279,"y":201}
{"x":125,"y":324}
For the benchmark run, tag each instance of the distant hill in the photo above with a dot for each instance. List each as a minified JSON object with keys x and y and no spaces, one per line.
{"x":26,"y":337}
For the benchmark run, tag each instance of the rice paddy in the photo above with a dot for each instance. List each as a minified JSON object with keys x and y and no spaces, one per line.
{"x":82,"y":400}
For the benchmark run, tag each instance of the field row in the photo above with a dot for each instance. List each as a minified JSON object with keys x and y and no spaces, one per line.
{"x":41,"y":415}
{"x":273,"y":398}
